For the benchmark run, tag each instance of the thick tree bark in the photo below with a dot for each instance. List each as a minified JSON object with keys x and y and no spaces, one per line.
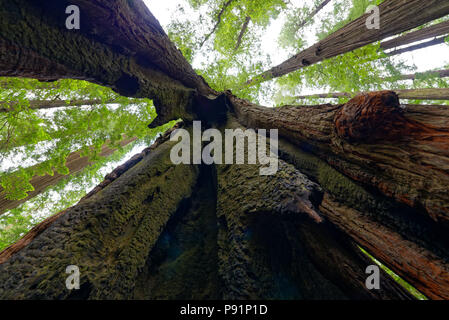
{"x":75,"y":163}
{"x":396,"y":16}
{"x":124,"y":252}
{"x":108,"y":235}
{"x":401,"y":153}
{"x":411,"y":94}
{"x":49,"y":104}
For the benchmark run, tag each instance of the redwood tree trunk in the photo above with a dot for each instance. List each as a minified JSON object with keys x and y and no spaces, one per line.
{"x":396,"y":16}
{"x":366,"y":173}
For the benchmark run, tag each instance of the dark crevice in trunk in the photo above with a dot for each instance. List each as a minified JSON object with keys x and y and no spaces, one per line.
{"x":183,"y":263}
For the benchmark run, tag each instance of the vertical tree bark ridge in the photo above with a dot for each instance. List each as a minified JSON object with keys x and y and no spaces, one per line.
{"x":412,"y":167}
{"x":109,"y":178}
{"x":75,"y":163}
{"x":411,"y":94}
{"x":260,"y":220}
{"x":424,"y":270}
{"x":108,"y":235}
{"x":396,"y":16}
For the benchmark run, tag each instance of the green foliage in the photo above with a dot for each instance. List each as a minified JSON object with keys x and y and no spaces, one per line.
{"x":398,"y":279}
{"x":39,"y":141}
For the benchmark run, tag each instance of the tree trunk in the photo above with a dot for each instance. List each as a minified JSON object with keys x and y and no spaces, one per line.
{"x":75,"y":163}
{"x":219,"y":15}
{"x":313,"y":14}
{"x":411,"y":94}
{"x":242,"y":33}
{"x":415,"y":76}
{"x":437,"y":30}
{"x":384,"y":146}
{"x":365,"y":173}
{"x":49,"y":104}
{"x":396,"y":16}
{"x":423,"y":45}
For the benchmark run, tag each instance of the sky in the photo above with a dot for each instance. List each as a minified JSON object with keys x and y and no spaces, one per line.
{"x":435,"y":57}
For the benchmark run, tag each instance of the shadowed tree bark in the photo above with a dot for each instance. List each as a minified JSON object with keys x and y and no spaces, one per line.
{"x":156,"y":230}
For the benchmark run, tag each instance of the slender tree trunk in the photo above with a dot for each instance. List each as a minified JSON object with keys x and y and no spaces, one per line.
{"x":49,"y":104}
{"x":242,"y":33}
{"x":396,"y":16}
{"x":217,"y":23}
{"x":412,"y":94}
{"x":313,"y":14}
{"x":437,"y":30}
{"x":75,"y":163}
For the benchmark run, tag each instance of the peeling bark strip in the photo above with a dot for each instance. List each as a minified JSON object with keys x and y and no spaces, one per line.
{"x":49,"y":104}
{"x":409,"y":163}
{"x":108,"y":235}
{"x":396,"y":16}
{"x":75,"y":163}
{"x":411,"y":94}
{"x":424,"y":270}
